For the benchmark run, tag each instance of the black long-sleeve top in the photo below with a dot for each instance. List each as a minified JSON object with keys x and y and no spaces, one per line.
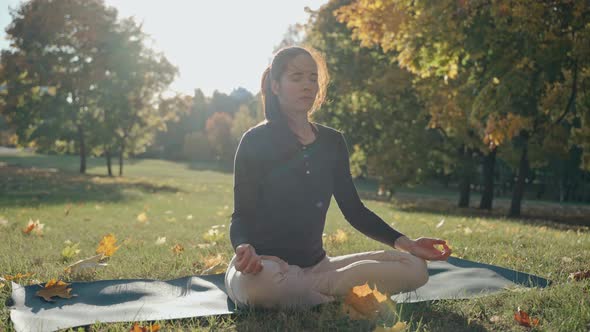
{"x":282,"y":191}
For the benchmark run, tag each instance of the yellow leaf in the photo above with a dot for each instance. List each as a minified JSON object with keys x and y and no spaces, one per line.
{"x":496,"y":80}
{"x":367,"y":302}
{"x":52,"y":90}
{"x":142,"y":217}
{"x":70,"y":250}
{"x":160,"y":240}
{"x":85,"y":265}
{"x":107,"y":245}
{"x":214,"y":264}
{"x":17,"y":277}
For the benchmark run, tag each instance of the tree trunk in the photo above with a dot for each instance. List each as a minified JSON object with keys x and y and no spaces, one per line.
{"x":107,"y":154}
{"x":518,"y":191}
{"x":121,"y":152}
{"x":489,"y":163}
{"x":82,"y":149}
{"x":465,"y":181}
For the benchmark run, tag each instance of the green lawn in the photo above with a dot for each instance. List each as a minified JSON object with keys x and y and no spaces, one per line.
{"x":183,"y":201}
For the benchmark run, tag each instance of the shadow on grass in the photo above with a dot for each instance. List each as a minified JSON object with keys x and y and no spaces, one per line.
{"x":30,"y":186}
{"x":222,"y":167}
{"x":437,"y":318}
{"x":551,"y":215}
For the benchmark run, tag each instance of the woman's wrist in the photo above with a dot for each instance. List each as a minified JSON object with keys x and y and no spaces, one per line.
{"x":403,"y":243}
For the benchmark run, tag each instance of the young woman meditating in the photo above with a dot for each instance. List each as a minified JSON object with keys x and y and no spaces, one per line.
{"x":285,"y":173}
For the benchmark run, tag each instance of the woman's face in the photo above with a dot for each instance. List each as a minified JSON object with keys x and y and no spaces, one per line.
{"x":298,"y":85}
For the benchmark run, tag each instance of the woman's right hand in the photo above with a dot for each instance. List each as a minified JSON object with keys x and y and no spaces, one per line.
{"x":247,"y":261}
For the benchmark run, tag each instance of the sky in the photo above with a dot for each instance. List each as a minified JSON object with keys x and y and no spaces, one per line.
{"x":216,"y":44}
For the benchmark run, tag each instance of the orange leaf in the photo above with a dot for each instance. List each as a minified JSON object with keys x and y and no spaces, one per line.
{"x":523,"y":319}
{"x":138,"y":328}
{"x":55,"y":288}
{"x":178,"y":249}
{"x":17,"y":276}
{"x":107,"y":245}
{"x":33,"y":226}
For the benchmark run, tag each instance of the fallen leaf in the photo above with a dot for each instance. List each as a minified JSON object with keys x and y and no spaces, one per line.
{"x":467,"y":231}
{"x":107,"y":245}
{"x":523,"y":319}
{"x":70,"y":250}
{"x":17,"y":277}
{"x":177,"y":249}
{"x":214,"y":264}
{"x":213,"y":235}
{"x":579,"y":275}
{"x":205,"y":245}
{"x":34,"y":227}
{"x":85,"y":265}
{"x":55,"y":288}
{"x":151,"y":328}
{"x":67,"y":209}
{"x":441,"y":223}
{"x":189,"y":217}
{"x":397,"y":327}
{"x":495,"y":319}
{"x":142,"y":217}
{"x":566,"y":259}
{"x":362,"y":302}
{"x":3,"y":222}
{"x":160,"y":240}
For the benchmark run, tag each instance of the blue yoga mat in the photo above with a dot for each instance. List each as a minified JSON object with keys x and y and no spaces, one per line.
{"x":129,"y":300}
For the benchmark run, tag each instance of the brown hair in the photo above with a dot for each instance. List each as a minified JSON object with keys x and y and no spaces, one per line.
{"x":270,"y":102}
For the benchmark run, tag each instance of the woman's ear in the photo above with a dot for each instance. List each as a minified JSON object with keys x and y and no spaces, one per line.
{"x":274,"y":87}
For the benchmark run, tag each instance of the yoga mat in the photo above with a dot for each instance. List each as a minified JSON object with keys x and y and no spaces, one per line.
{"x":130,"y":300}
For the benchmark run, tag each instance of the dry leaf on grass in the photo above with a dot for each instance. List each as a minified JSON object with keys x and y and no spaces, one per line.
{"x":17,"y":277}
{"x":160,"y":240}
{"x":55,"y":288}
{"x":362,"y":302}
{"x":523,"y":319}
{"x":142,"y":217}
{"x":138,"y":328}
{"x":70,"y":250}
{"x":214,"y":264}
{"x":34,"y":227}
{"x":86,"y":265}
{"x":397,"y":327}
{"x":579,"y":275}
{"x":107,"y":245}
{"x":177,"y":249}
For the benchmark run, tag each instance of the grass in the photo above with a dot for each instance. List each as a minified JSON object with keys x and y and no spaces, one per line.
{"x":183,"y":200}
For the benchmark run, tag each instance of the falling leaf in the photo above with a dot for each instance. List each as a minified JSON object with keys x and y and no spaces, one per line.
{"x":441,"y":223}
{"x":580,"y":275}
{"x":523,"y":319}
{"x":85,"y":265}
{"x":397,"y":327}
{"x":362,"y":302}
{"x":55,"y":288}
{"x":107,"y":245}
{"x":70,"y":250}
{"x":177,"y":249}
{"x":160,"y":240}
{"x":138,"y":328}
{"x":34,"y":227}
{"x":142,"y":217}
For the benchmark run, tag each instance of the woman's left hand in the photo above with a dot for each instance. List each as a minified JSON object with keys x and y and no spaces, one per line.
{"x":423,"y":247}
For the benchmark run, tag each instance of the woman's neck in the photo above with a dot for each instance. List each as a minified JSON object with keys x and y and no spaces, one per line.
{"x":300,"y":126}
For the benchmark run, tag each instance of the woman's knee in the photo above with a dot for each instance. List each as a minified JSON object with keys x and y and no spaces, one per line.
{"x":420,"y":271}
{"x":264,"y":288}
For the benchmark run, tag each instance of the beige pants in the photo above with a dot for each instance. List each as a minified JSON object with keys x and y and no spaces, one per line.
{"x":290,"y":286}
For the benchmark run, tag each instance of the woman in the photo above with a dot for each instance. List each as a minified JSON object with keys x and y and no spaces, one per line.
{"x":285,"y":173}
